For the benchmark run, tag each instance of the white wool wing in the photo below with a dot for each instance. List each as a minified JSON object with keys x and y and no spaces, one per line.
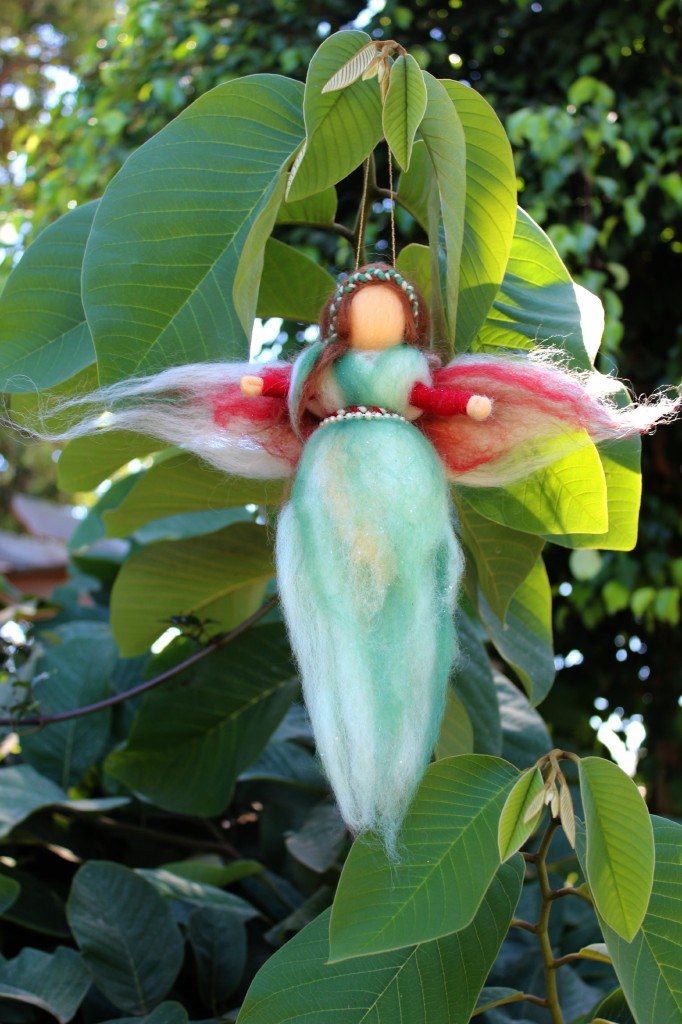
{"x":199,"y":407}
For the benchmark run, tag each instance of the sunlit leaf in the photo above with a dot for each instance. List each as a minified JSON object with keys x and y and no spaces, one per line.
{"x":514,"y":830}
{"x":649,"y":967}
{"x":352,"y":69}
{"x":539,"y":304}
{"x":619,"y":858}
{"x":445,"y":173}
{"x":221,"y":577}
{"x":566,"y":497}
{"x":342,"y":127}
{"x":404,"y":107}
{"x":490,"y":211}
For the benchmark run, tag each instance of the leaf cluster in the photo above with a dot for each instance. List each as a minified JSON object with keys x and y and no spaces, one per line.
{"x":188,"y":834}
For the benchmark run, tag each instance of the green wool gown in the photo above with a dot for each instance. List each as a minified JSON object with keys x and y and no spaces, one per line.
{"x":369,"y":569}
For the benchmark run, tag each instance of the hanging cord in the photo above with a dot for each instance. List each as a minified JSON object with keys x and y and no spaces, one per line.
{"x":390,"y":188}
{"x":361,"y":225}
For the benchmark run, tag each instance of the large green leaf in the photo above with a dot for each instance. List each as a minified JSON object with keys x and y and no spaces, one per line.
{"x":404,"y":108}
{"x":649,"y":967}
{"x":23,"y":791}
{"x":126,"y":934}
{"x":166,"y":1013}
{"x":190,"y":741}
{"x":432,"y":983}
{"x":170,"y":231}
{"x":72,"y":674}
{"x":415,"y":185}
{"x":456,"y":734}
{"x":221,"y":576}
{"x":503,"y":557}
{"x":287,"y":763}
{"x":92,"y":528}
{"x":45,"y":411}
{"x":525,"y":738}
{"x":218,"y":939}
{"x":490,"y":211}
{"x":448,"y":856}
{"x":37,"y":907}
{"x":173,"y":887}
{"x":620,"y":461}
{"x":619,"y":859}
{"x":538,"y":303}
{"x":566,"y":497}
{"x":444,"y":181}
{"x":414,"y":263}
{"x":472,"y":680}
{"x":314,"y":211}
{"x":342,"y":127}
{"x":44,"y":338}
{"x":321,"y":838}
{"x":292,"y":286}
{"x":525,"y":639}
{"x":183,"y":483}
{"x":86,"y":461}
{"x":56,"y":983}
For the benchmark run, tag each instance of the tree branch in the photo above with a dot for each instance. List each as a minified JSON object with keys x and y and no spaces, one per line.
{"x":118,"y":698}
{"x":548,"y":961}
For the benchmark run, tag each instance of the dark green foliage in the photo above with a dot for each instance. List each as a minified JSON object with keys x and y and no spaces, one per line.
{"x":173,"y":855}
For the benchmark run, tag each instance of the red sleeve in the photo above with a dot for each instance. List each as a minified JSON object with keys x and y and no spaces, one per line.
{"x":439,"y":401}
{"x":276,"y":381}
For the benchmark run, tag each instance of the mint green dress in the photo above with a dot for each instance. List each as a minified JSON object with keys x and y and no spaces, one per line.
{"x":369,"y":568}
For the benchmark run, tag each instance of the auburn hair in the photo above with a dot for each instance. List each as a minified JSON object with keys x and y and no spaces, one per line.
{"x":416,"y":330}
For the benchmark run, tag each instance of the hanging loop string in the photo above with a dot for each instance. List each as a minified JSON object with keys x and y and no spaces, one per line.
{"x":361,"y":226}
{"x":390,"y":188}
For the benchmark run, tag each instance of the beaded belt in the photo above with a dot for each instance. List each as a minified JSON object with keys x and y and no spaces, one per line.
{"x":361,"y":412}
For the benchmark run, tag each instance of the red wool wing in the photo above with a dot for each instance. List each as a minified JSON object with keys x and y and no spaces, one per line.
{"x":540,"y":413}
{"x":256,"y":432}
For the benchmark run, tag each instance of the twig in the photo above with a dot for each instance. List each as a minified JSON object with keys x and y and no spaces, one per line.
{"x":163,"y":838}
{"x":88,"y":709}
{"x":568,"y":959}
{"x":568,"y":890}
{"x":517,"y":922}
{"x":548,"y":961}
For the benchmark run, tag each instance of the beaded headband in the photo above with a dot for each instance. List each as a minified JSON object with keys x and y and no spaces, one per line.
{"x":362,"y":277}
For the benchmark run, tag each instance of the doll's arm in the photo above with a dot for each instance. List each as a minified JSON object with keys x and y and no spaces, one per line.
{"x":271,"y":383}
{"x":448,"y":402}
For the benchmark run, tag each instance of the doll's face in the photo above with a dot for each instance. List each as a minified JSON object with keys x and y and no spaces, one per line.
{"x":377,"y":318}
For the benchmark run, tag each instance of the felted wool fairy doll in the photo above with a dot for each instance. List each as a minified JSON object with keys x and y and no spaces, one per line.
{"x":368,"y":562}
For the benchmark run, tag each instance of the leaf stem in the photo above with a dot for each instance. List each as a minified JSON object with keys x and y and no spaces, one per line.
{"x":516,"y":997}
{"x":568,"y":959}
{"x":517,"y":922}
{"x":118,"y":698}
{"x":570,"y":891}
